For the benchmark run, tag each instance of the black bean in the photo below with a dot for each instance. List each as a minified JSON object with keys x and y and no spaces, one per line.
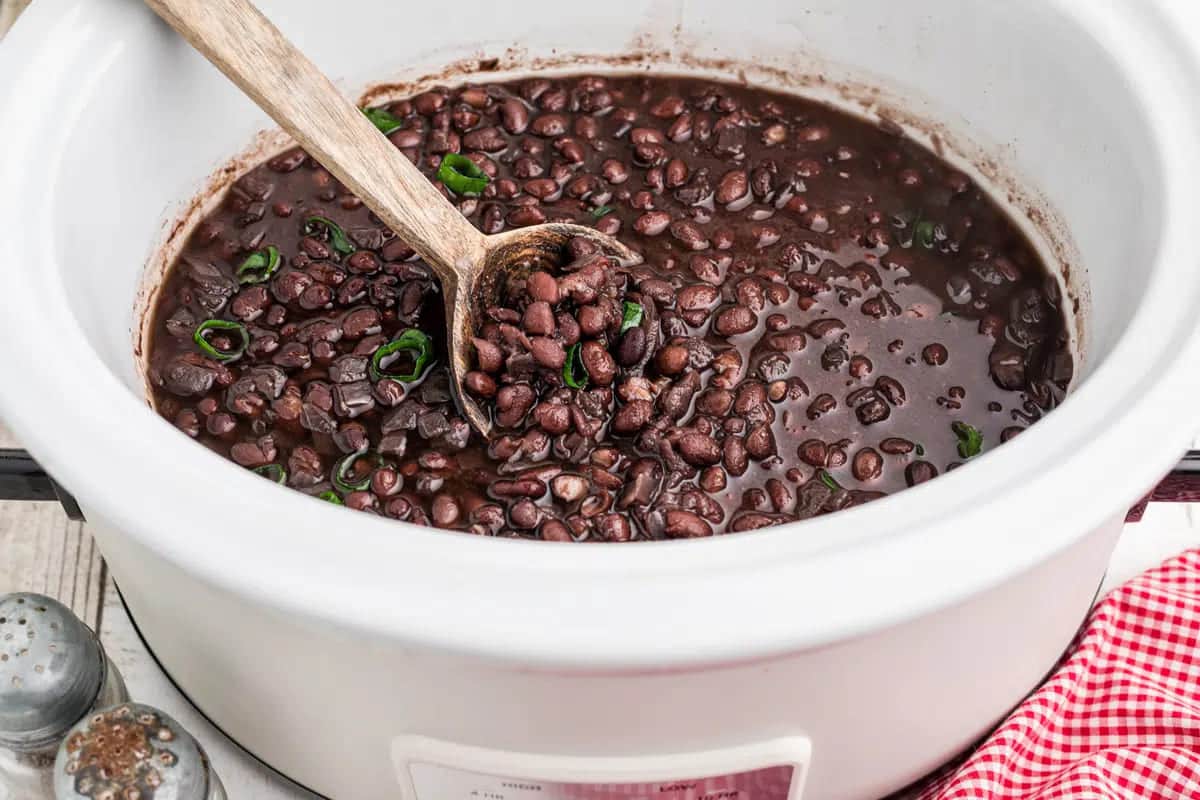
{"x":554,"y":531}
{"x":673,"y":359}
{"x":614,"y":528}
{"x":480,"y":384}
{"x":632,"y":416}
{"x":735,"y":320}
{"x":488,"y":355}
{"x":867,"y":464}
{"x":524,"y":515}
{"x":569,"y":488}
{"x":353,"y":399}
{"x":734,"y":455}
{"x":512,"y":402}
{"x":896,"y":446}
{"x":892,"y":389}
{"x":681,"y":524}
{"x":834,"y":357}
{"x":652,"y":223}
{"x":699,"y":450}
{"x":550,"y":354}
{"x":1007,"y":365}
{"x":732,"y":187}
{"x":919,"y":472}
{"x":873,"y":410}
{"x":822,"y":404}
{"x":935,"y":354}
{"x":760,"y":442}
{"x":677,"y":398}
{"x":631,"y":347}
{"x":689,"y":235}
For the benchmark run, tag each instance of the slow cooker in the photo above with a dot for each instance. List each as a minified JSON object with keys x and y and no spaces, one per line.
{"x":836,"y":658}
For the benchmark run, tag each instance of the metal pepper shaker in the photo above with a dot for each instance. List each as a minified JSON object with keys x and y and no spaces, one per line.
{"x":133,"y":751}
{"x":53,"y":673}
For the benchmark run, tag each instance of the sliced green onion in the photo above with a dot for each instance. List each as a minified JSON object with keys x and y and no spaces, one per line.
{"x":259,"y":266}
{"x":274,"y":472}
{"x":411,"y":341}
{"x":970,"y":440}
{"x":343,"y":467}
{"x":461,"y":175}
{"x":828,"y":480}
{"x":201,"y":339}
{"x":632,"y":316}
{"x":330,"y":496}
{"x":574,"y":372}
{"x":920,"y":449}
{"x":602,"y":211}
{"x":386,"y":121}
{"x":337,"y":237}
{"x":923,"y":234}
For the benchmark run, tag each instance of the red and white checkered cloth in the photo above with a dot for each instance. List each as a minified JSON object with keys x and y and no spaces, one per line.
{"x":1118,"y":720}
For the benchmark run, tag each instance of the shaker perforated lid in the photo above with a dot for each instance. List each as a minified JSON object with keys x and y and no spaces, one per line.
{"x":132,"y":750}
{"x":51,"y":670}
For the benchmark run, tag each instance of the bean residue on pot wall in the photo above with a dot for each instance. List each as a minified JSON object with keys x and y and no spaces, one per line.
{"x":826,"y":313}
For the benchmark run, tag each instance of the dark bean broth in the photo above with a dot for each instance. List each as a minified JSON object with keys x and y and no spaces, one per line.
{"x":829,"y":313}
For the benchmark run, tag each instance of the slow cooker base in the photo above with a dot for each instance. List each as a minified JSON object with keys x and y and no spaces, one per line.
{"x":906,"y":793}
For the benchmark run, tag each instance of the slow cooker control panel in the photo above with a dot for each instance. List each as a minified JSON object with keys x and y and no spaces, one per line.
{"x":430,"y":769}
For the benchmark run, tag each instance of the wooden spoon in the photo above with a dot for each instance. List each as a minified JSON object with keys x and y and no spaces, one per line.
{"x":472,"y":267}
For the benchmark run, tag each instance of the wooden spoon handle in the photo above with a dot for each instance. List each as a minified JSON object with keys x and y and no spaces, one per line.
{"x":243,"y":44}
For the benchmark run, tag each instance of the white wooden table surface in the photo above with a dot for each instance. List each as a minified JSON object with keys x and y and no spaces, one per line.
{"x":42,"y":551}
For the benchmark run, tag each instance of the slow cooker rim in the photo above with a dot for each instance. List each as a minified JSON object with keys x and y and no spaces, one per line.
{"x":612,"y":563}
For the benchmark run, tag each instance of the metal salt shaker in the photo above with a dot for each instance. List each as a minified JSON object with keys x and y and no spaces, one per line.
{"x":135,"y":752}
{"x":53,"y":673}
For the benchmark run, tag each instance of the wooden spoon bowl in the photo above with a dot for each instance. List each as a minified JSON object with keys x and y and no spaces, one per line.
{"x":505,"y":256}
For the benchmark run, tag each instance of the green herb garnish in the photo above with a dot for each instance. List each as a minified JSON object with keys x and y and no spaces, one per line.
{"x":259,"y":266}
{"x":274,"y":472}
{"x":330,"y":496}
{"x":970,"y":440}
{"x":461,"y":175}
{"x":828,"y":480}
{"x":602,"y":211}
{"x":923,"y":234}
{"x":410,"y":341}
{"x":341,"y":472}
{"x":337,"y":237}
{"x":921,"y":231}
{"x":203,"y":331}
{"x":575,"y":374}
{"x":632,"y":317}
{"x":920,"y":449}
{"x":384,"y":120}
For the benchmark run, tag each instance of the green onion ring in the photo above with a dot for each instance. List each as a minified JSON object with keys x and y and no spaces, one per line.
{"x":275,"y":472}
{"x":343,"y":466}
{"x":384,"y":120}
{"x":411,"y":340}
{"x":828,"y":480}
{"x":221,"y":325}
{"x":259,"y":266}
{"x":573,"y":367}
{"x":632,"y":316}
{"x":461,"y":175}
{"x":337,"y":237}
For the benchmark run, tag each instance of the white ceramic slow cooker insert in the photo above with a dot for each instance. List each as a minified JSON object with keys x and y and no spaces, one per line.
{"x":853,"y":653}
